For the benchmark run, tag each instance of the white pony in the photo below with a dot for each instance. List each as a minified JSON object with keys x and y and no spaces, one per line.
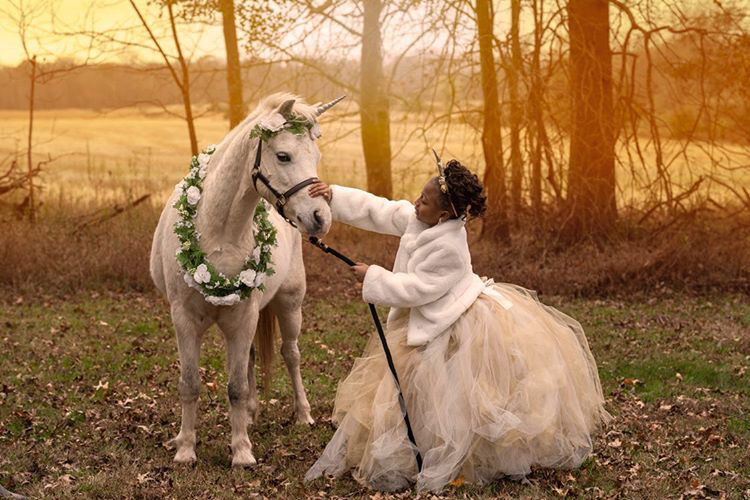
{"x":224,"y":220}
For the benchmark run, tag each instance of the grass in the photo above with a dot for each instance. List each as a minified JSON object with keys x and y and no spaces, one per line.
{"x":89,"y":395}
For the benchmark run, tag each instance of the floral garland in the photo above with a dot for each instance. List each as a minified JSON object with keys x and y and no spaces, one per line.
{"x":215,"y":287}
{"x":271,"y":125}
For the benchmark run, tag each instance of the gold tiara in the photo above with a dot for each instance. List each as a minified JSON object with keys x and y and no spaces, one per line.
{"x":441,"y":181}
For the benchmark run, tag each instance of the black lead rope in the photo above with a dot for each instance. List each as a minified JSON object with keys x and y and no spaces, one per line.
{"x":315,"y":241}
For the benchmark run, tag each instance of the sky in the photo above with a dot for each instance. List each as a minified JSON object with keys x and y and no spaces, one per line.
{"x":50,"y":21}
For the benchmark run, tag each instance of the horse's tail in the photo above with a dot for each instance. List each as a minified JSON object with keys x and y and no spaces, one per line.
{"x":265,"y":335}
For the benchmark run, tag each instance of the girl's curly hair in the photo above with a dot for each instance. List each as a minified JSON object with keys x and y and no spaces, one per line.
{"x":465,"y":190}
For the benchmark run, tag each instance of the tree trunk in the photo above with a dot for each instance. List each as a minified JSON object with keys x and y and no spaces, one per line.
{"x":373,"y":106}
{"x":31,"y":204}
{"x":185,"y":87}
{"x":591,"y":173}
{"x":496,"y":223}
{"x":535,"y":108}
{"x":515,"y":109}
{"x":234,"y":77}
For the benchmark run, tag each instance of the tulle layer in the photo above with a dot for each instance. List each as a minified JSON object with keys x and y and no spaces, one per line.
{"x":502,"y":390}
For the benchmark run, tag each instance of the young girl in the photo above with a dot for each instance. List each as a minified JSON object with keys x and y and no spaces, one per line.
{"x":495,"y":382}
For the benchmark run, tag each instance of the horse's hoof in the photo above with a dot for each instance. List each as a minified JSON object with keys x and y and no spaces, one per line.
{"x":243,"y":458}
{"x":305,"y":420}
{"x":185,"y":456}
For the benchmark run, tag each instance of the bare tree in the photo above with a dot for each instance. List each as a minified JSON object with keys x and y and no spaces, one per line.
{"x":182,"y":81}
{"x":373,"y":104}
{"x":514,"y":73}
{"x":25,"y":17}
{"x":494,"y":174}
{"x":591,"y":178}
{"x":360,"y":25}
{"x":234,"y":76}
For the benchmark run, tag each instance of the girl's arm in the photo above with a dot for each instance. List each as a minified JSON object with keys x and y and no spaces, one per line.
{"x":366,"y":211}
{"x":430,"y":280}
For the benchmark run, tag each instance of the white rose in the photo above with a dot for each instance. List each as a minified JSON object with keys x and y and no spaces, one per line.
{"x":247,"y":277}
{"x":193,"y":195}
{"x":272,"y":123}
{"x":189,"y":280}
{"x":259,"y":279}
{"x":203,"y":159}
{"x":201,"y":274}
{"x":202,"y":172}
{"x":256,"y":254}
{"x":227,"y":300}
{"x":210,"y":149}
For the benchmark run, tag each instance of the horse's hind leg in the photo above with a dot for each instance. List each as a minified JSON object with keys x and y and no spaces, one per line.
{"x":252,"y":401}
{"x":288,"y":310}
{"x":238,"y":325}
{"x":190,"y":329}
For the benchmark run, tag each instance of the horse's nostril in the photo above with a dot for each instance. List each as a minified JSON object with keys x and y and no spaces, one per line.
{"x":318,"y":218}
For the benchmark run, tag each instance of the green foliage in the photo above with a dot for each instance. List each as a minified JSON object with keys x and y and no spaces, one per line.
{"x":190,"y":255}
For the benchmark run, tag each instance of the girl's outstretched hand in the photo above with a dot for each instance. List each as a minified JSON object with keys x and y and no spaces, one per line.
{"x":359,"y":270}
{"x":320,"y":188}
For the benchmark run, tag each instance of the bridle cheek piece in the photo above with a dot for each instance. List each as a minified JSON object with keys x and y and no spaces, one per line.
{"x":281,"y":198}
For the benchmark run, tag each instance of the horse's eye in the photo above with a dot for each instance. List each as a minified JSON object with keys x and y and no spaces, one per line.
{"x":283,"y":157}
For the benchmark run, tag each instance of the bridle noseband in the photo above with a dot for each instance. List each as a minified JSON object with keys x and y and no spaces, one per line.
{"x":281,"y":198}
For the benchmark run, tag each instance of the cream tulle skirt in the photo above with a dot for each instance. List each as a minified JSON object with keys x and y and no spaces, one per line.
{"x":501,"y":391}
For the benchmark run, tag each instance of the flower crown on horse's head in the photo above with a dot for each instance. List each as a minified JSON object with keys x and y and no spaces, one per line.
{"x":285,"y":119}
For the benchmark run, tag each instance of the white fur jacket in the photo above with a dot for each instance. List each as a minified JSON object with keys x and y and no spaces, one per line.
{"x":432,"y":274}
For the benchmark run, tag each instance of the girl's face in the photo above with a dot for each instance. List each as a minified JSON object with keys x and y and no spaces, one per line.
{"x":428,"y":207}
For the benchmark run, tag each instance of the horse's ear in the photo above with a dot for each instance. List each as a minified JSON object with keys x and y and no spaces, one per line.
{"x":285,"y":109}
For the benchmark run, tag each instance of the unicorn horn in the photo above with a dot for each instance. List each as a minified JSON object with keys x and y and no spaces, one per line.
{"x":437,"y":160}
{"x":325,"y":107}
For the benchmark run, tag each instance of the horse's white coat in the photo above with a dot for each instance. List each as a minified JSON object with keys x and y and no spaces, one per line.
{"x":224,"y":219}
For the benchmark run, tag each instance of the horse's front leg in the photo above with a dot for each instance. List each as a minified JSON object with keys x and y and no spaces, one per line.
{"x":189,"y":329}
{"x":238,"y":325}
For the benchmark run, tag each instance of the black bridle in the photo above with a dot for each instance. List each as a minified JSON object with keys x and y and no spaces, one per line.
{"x":281,"y":198}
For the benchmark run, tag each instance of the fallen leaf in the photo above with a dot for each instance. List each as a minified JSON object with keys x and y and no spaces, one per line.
{"x":459,"y":481}
{"x":615,"y":444}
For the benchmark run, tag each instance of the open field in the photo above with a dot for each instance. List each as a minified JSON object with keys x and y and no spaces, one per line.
{"x":89,"y":395}
{"x":108,"y":155}
{"x":121,"y":154}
